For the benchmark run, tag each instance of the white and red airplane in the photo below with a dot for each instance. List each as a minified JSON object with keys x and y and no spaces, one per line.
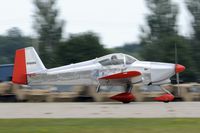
{"x":110,"y":70}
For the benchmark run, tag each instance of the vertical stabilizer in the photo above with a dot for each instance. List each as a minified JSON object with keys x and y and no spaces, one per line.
{"x":33,"y":61}
{"x":26,"y":62}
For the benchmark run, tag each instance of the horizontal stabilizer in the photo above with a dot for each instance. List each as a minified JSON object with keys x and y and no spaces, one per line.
{"x":122,"y":75}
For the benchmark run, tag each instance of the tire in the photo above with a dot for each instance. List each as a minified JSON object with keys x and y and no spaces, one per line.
{"x":125,"y":102}
{"x":166,"y":101}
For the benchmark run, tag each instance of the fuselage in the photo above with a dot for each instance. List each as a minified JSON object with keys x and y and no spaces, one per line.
{"x":89,"y":72}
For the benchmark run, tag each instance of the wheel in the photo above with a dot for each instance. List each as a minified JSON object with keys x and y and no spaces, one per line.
{"x":166,"y":101}
{"x":125,"y":102}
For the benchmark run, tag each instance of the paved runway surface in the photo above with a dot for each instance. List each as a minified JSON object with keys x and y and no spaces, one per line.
{"x":100,"y":110}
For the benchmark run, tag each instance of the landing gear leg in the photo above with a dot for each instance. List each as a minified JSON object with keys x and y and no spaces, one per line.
{"x":128,"y":88}
{"x":165,"y":97}
{"x":98,"y":88}
{"x":165,"y":90}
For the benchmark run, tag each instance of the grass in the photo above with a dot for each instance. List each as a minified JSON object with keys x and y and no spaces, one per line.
{"x":171,"y":125}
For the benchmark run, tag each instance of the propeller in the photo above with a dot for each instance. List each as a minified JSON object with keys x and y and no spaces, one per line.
{"x":176,"y":63}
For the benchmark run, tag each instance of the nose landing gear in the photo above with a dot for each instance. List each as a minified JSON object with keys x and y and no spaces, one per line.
{"x":167,"y":97}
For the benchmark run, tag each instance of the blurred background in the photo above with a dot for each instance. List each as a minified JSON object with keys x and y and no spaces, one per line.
{"x":66,"y":31}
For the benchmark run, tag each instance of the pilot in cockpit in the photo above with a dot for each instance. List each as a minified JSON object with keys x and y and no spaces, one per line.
{"x":114,"y":60}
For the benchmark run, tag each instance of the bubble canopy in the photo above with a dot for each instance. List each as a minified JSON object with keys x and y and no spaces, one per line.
{"x":116,"y":59}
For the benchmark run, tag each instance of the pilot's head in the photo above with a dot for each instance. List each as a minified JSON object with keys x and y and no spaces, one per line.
{"x":114,"y":57}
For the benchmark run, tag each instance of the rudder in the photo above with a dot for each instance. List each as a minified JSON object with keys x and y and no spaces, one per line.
{"x":19,"y":71}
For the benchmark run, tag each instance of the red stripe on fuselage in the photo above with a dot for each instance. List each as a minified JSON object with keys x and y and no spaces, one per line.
{"x":19,"y":72}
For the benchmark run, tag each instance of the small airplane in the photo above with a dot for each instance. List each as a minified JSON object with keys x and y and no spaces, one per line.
{"x":111,"y":70}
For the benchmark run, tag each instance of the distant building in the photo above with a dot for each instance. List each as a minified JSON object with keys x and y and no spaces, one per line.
{"x":6,"y":71}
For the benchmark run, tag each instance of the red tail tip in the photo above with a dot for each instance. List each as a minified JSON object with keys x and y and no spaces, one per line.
{"x":19,"y":71}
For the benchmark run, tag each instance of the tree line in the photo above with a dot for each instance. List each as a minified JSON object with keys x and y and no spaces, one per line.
{"x":157,"y":43}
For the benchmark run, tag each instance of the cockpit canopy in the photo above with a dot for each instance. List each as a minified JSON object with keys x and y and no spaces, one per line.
{"x":116,"y":59}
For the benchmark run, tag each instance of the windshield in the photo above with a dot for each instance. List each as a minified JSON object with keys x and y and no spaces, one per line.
{"x":129,"y":60}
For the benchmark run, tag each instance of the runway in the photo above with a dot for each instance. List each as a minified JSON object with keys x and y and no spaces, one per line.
{"x":101,"y":110}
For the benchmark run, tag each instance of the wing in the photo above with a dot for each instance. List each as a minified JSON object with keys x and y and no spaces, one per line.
{"x":121,"y":75}
{"x":121,"y":78}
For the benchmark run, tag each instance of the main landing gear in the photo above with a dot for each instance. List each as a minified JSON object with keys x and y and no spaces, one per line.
{"x":125,"y":97}
{"x":167,"y":97}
